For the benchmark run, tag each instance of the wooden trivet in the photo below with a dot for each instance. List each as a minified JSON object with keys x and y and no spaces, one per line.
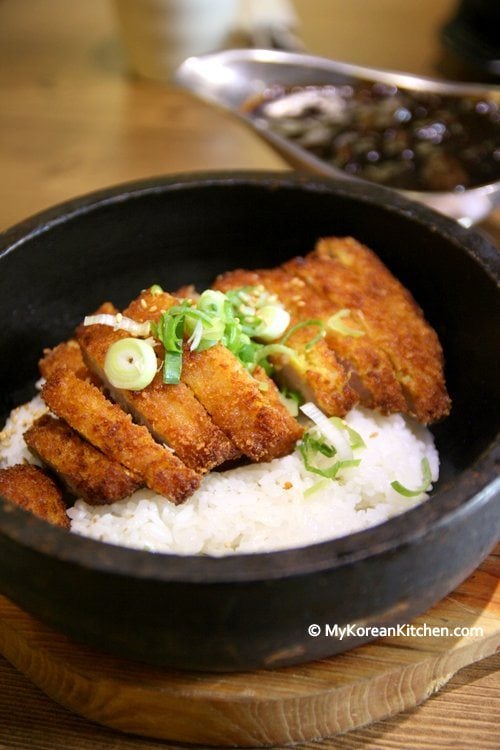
{"x":274,"y":707}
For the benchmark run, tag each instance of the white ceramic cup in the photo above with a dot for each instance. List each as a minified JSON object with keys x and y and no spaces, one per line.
{"x":159,"y":34}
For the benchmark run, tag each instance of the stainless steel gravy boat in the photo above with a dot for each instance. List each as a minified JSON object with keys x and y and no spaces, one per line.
{"x":231,"y":78}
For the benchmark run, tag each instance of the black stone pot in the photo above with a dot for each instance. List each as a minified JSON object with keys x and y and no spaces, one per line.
{"x":253,"y":610}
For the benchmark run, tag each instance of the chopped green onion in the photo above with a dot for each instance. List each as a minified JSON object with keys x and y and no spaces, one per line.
{"x":270,"y":349}
{"x":212,"y":302}
{"x":170,"y":331}
{"x":315,"y":487}
{"x":335,"y":324}
{"x":303,"y":324}
{"x":259,"y":313}
{"x":233,"y":338}
{"x":274,"y":320}
{"x":426,"y":481}
{"x":311,"y":449}
{"x":195,"y":338}
{"x":248,"y":321}
{"x":172,"y":367}
{"x":130,"y":363}
{"x":355,"y":439}
{"x":292,"y":400}
{"x":329,"y":430}
{"x":119,"y":323}
{"x":248,"y":299}
{"x":314,"y":340}
{"x":315,"y":445}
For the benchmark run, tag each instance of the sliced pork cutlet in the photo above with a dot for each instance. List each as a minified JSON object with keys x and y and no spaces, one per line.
{"x":67,"y":355}
{"x":85,"y":471}
{"x":171,"y":413}
{"x":239,"y":404}
{"x":107,"y":427}
{"x":149,"y":305}
{"x":32,"y":489}
{"x":261,"y":428}
{"x":352,"y":276}
{"x":314,"y":371}
{"x":371,"y":372}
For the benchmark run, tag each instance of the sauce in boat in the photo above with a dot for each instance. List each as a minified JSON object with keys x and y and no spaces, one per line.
{"x":409,"y":140}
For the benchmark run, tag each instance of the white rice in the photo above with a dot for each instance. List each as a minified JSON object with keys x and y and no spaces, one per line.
{"x":13,"y":449}
{"x":260,"y":507}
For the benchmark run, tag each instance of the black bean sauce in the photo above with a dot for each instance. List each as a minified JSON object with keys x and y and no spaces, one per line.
{"x":405,"y":139}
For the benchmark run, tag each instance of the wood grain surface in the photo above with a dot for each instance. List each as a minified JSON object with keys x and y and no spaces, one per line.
{"x":71,"y":121}
{"x":265,"y":707}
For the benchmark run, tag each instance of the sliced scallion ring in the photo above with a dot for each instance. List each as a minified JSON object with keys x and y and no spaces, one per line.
{"x":314,"y":452}
{"x":304,"y":324}
{"x":271,"y":349}
{"x":292,"y":400}
{"x":321,"y":485}
{"x":426,"y":481}
{"x":119,"y":323}
{"x":335,"y":436}
{"x":335,"y":324}
{"x":213,"y":302}
{"x":172,"y":367}
{"x":355,"y":438}
{"x":130,"y":363}
{"x":274,"y":320}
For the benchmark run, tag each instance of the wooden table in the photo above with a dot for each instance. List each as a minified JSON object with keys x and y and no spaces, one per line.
{"x":73,"y":121}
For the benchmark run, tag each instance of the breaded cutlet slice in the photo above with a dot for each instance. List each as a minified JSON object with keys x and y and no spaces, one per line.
{"x":29,"y":487}
{"x":149,"y":305}
{"x":67,"y":355}
{"x":260,"y":428}
{"x":352,"y":276}
{"x":314,"y":371}
{"x":371,"y":372}
{"x":85,"y":471}
{"x":171,"y":413}
{"x":111,"y":430}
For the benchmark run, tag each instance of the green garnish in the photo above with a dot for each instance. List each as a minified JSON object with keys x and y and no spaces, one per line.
{"x":248,"y":321}
{"x":323,"y":442}
{"x":303,"y":324}
{"x":270,"y":349}
{"x":335,"y":324}
{"x":292,"y":400}
{"x":130,"y":363}
{"x":172,"y":367}
{"x":274,"y":320}
{"x":231,"y":319}
{"x":311,"y":448}
{"x":426,"y":481}
{"x":316,"y":487}
{"x":355,"y":439}
{"x":170,"y":331}
{"x":259,"y":312}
